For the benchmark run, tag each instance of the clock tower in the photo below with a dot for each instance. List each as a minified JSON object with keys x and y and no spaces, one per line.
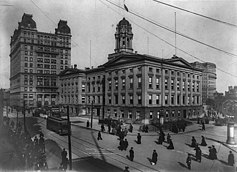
{"x":123,"y":37}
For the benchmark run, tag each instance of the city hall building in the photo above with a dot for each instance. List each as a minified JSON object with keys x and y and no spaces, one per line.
{"x":134,"y":86}
{"x":36,"y":59}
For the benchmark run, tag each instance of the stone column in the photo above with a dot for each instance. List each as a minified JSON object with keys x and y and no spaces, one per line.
{"x":230,"y":133}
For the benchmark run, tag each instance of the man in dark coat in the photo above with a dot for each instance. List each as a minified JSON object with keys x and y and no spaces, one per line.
{"x":211,"y":153}
{"x":188,"y":161}
{"x":214,"y":152}
{"x":171,"y":146}
{"x":198,"y":153}
{"x":231,"y":159}
{"x":203,"y":143}
{"x":194,"y":142}
{"x":102,"y":128}
{"x":131,"y":154}
{"x":64,"y":156}
{"x":154,"y":157}
{"x":139,"y":137}
{"x":99,"y":136}
{"x":130,"y":128}
{"x":168,"y":138}
{"x":203,"y":125}
{"x":121,"y":145}
{"x":125,"y":144}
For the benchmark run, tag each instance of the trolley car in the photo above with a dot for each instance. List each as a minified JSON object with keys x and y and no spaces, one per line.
{"x":58,"y":125}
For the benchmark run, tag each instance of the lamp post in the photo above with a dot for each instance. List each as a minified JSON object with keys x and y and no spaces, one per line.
{"x":92,"y":112}
{"x":24,"y":113}
{"x":69,"y":139}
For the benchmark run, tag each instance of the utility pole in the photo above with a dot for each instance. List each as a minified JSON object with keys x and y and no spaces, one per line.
{"x":92,"y":112}
{"x":24,"y":113}
{"x":69,"y":139}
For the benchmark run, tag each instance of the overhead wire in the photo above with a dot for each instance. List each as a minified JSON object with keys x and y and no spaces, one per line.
{"x":167,"y":41}
{"x":178,"y":33}
{"x":201,"y":15}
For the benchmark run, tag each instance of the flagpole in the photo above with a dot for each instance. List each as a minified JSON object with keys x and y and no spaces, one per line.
{"x":175,"y":34}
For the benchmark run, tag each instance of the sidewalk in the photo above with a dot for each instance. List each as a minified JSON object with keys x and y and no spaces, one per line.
{"x":81,"y":122}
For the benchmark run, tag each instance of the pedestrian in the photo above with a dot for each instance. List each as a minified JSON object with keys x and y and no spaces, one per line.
{"x":146,"y":129}
{"x":102,"y":128}
{"x":131,"y":128}
{"x":211,"y":153}
{"x":139,"y":137}
{"x":198,"y":154}
{"x":87,"y":124}
{"x":194,"y":142}
{"x":131,"y":154}
{"x":171,"y":146}
{"x":160,"y":140}
{"x":41,"y":143}
{"x":125,"y":144}
{"x":203,"y":143}
{"x":214,"y":152}
{"x":231,"y":159}
{"x":99,"y":136}
{"x":203,"y":125}
{"x":64,"y":157}
{"x":188,"y":161}
{"x":121,"y":145}
{"x":154,"y":158}
{"x":126,"y":169}
{"x":168,"y":138}
{"x":109,"y":128}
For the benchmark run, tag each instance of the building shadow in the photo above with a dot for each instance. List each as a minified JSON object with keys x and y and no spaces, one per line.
{"x":182,"y":165}
{"x":93,"y":164}
{"x":223,"y":162}
{"x":98,"y":147}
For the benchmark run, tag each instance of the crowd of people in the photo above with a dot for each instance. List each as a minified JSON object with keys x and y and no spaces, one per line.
{"x":30,"y":151}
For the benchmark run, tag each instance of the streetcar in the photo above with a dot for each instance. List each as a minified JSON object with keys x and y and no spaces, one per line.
{"x":58,"y":125}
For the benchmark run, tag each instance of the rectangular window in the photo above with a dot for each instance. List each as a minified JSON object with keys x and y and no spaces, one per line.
{"x":183,"y":85}
{"x":166,"y":84}
{"x":172,"y":84}
{"x":150,"y":82}
{"x":150,"y":69}
{"x":123,"y":99}
{"x":110,"y":85}
{"x":83,"y":99}
{"x":157,"y":70}
{"x":157,"y":83}
{"x":172,"y":113}
{"x":157,"y":99}
{"x":110,"y":101}
{"x":131,"y":83}
{"x":116,"y":98}
{"x":178,"y":99}
{"x":115,"y":113}
{"x":150,"y":99}
{"x":123,"y":83}
{"x":129,"y":114}
{"x":178,"y":85}
{"x":26,"y":59}
{"x":189,"y":85}
{"x":122,"y":113}
{"x":138,"y":115}
{"x":184,"y":102}
{"x":151,"y":114}
{"x":26,"y":64}
{"x":31,"y":96}
{"x":193,"y":86}
{"x":166,"y":99}
{"x":172,"y":99}
{"x":139,"y":82}
{"x":31,"y":64}
{"x":83,"y":87}
{"x":25,"y":89}
{"x":139,"y":99}
{"x":31,"y":59}
{"x":116,"y":84}
{"x":131,"y":99}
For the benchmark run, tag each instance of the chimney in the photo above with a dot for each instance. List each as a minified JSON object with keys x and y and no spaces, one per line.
{"x":75,"y":66}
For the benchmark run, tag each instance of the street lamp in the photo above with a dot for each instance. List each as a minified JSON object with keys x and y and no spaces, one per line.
{"x":69,"y":139}
{"x":92,"y":112}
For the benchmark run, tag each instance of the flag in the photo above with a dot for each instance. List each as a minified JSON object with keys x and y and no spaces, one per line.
{"x":126,"y":8}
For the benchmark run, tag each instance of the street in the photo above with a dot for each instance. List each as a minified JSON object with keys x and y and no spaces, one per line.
{"x":105,"y":154}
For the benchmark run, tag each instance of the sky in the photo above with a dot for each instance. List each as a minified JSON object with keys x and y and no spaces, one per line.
{"x":95,"y":21}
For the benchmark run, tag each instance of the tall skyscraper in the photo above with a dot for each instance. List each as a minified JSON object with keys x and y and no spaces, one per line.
{"x":36,"y":59}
